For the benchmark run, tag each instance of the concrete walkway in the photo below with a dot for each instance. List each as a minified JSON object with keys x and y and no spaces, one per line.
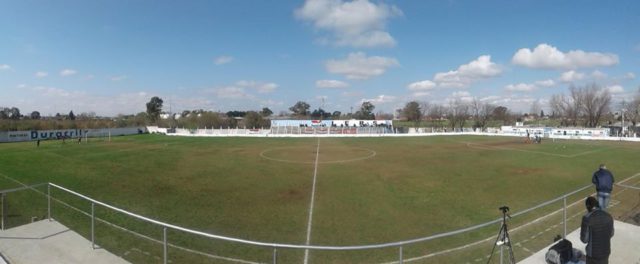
{"x":624,"y":245}
{"x":50,"y":242}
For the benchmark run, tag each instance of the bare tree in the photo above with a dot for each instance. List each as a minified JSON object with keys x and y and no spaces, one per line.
{"x":436,"y":114}
{"x":632,"y":108}
{"x":595,"y":103}
{"x":566,"y":108}
{"x":481,"y":112}
{"x":457,"y":113}
{"x":535,"y":108}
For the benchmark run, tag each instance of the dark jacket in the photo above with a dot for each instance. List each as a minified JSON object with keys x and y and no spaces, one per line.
{"x":603,"y":179}
{"x":596,"y":231}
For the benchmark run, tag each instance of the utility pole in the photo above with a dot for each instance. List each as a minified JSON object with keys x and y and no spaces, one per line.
{"x":622,"y":128}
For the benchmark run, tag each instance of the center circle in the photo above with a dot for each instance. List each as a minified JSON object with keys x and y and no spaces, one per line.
{"x":327,"y":155}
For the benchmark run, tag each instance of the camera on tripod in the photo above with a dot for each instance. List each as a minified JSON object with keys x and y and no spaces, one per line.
{"x":503,"y":237}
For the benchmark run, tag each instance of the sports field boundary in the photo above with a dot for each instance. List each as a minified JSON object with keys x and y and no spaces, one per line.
{"x":266,"y":133}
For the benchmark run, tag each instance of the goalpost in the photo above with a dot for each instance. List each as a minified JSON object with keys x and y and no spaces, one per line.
{"x":103,"y":135}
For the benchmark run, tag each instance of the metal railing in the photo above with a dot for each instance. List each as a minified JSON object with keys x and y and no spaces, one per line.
{"x":275,"y":246}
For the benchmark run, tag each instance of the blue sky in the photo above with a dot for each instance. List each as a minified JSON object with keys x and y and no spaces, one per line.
{"x":111,"y":57}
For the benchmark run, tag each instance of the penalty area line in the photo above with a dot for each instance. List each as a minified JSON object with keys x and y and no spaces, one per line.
{"x":313,"y":194}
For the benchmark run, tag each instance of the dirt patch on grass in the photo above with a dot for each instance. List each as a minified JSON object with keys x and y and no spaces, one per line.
{"x":509,"y":143}
{"x":291,"y":195}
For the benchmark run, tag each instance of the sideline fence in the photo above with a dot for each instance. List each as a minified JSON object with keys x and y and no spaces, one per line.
{"x":275,"y":248}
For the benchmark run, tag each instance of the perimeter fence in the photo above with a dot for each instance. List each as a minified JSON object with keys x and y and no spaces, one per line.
{"x":141,"y":239}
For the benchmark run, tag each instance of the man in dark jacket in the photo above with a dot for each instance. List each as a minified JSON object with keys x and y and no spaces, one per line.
{"x":603,"y":180}
{"x":596,"y":231}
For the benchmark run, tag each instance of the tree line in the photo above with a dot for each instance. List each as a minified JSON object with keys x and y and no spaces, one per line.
{"x":588,"y":106}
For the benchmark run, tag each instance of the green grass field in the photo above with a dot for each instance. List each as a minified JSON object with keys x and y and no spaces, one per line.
{"x":368,"y":190}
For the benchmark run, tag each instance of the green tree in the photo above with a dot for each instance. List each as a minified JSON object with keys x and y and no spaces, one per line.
{"x":413,"y":112}
{"x":336,"y":115}
{"x":366,"y":111}
{"x":35,"y":115}
{"x":253,"y":120}
{"x":266,"y":112}
{"x":501,"y":113}
{"x":72,"y":116}
{"x":154,"y":107}
{"x":300,"y":109}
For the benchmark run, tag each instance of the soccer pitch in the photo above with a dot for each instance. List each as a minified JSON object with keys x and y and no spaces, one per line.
{"x":326,"y":191}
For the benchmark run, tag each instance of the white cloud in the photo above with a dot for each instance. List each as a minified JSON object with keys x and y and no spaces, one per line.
{"x":545,"y":56}
{"x":630,"y":75}
{"x":358,"y":66}
{"x":380,"y":99}
{"x":460,"y":94}
{"x":232,"y":92}
{"x":422,"y":85}
{"x":41,"y":74}
{"x":421,"y":94}
{"x":545,"y":83}
{"x":267,"y":88}
{"x":58,"y":92}
{"x":520,"y":87}
{"x":224,"y":59}
{"x":357,"y":23}
{"x":571,"y":76}
{"x":615,"y":89}
{"x":598,"y":75}
{"x":331,"y":84}
{"x":118,"y":78}
{"x":4,"y":67}
{"x":490,"y":98}
{"x":481,"y":68}
{"x":258,"y":86}
{"x":67,"y":72}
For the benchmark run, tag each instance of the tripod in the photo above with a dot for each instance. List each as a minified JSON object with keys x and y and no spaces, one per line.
{"x":503,"y":237}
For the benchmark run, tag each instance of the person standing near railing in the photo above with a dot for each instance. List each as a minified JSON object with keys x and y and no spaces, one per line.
{"x":596,"y":231}
{"x":603,"y":180}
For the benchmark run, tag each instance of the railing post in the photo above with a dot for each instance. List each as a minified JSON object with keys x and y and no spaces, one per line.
{"x":49,"y":201}
{"x":3,"y":210}
{"x":164,"y":245}
{"x":93,"y":223}
{"x":275,"y":255}
{"x":564,"y":216}
{"x":501,"y":247}
{"x":400,"y":258}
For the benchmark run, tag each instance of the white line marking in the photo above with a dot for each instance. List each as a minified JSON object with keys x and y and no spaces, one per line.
{"x":313,"y":194}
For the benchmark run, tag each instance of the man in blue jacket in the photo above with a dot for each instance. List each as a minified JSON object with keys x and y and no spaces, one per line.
{"x":603,"y":180}
{"x":596,"y":231}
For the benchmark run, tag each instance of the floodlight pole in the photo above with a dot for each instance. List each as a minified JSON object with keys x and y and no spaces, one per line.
{"x":622,"y":128}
